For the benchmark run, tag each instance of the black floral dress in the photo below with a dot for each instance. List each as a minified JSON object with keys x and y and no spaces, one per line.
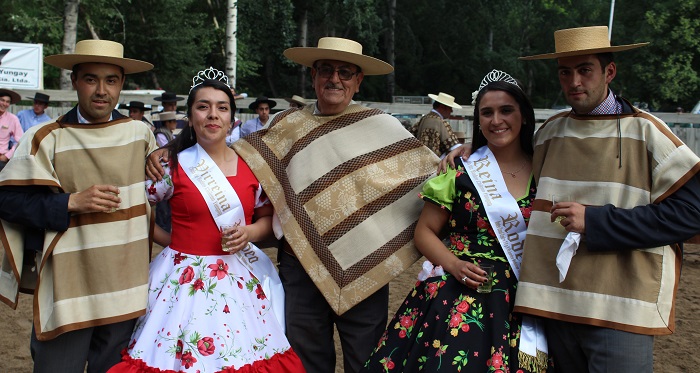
{"x":444,"y":326}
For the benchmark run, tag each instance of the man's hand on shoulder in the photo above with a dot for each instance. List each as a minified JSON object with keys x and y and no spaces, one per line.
{"x":154,"y":170}
{"x":462,"y":151}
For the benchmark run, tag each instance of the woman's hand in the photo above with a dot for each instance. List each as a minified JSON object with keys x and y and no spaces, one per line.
{"x":467,"y":273}
{"x":237,"y":239}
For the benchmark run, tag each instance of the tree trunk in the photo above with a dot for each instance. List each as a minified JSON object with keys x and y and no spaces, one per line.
{"x":303,"y":42}
{"x":391,"y":51}
{"x":231,"y":52}
{"x":70,"y":32}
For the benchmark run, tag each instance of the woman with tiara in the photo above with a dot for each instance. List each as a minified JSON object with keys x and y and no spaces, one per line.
{"x":214,"y":298}
{"x":458,"y":317}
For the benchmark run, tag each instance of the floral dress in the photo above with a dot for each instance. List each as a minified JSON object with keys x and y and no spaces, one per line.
{"x":443,"y":325}
{"x":206,"y":312}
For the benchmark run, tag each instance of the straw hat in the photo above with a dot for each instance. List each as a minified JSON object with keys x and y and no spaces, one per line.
{"x":135,"y":105}
{"x":445,"y":99}
{"x":296,"y":100}
{"x":167,"y":115}
{"x":14,"y":96}
{"x":338,"y":49}
{"x":40,"y":97}
{"x":98,"y":51}
{"x":580,"y":41}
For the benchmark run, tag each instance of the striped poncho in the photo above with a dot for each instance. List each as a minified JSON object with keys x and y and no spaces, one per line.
{"x":631,"y":290}
{"x":96,"y":272}
{"x":345,"y":188}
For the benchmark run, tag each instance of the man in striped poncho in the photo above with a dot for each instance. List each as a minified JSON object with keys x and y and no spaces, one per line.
{"x":344,"y":180}
{"x":73,"y":196}
{"x":629,"y":195}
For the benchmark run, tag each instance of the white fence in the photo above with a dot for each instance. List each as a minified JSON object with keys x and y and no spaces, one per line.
{"x":685,"y":126}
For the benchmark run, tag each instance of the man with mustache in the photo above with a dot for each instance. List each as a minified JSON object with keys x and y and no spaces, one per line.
{"x":72,"y":198}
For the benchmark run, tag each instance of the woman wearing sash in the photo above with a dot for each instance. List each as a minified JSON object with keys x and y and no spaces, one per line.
{"x":444,"y":324}
{"x":210,"y":306}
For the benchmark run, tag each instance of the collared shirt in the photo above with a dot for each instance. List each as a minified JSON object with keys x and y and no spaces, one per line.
{"x":251,"y":126}
{"x":82,"y":119}
{"x":609,"y":106}
{"x":9,"y":128}
{"x":28,"y":119}
{"x":438,"y":113}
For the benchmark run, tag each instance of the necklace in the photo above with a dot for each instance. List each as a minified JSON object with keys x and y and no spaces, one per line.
{"x":512,"y":174}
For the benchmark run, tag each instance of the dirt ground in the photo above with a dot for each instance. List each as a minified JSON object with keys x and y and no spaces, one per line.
{"x":674,"y":353}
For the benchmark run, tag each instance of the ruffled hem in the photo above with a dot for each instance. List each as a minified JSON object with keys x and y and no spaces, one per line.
{"x":287,"y":361}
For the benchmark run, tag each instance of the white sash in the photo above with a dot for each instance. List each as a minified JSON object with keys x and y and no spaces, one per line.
{"x":225,"y":207}
{"x":509,"y":226}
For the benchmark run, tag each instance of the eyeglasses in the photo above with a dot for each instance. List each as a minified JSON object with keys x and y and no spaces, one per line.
{"x":326,"y":72}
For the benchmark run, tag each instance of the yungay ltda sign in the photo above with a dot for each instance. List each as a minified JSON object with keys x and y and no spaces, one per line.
{"x":21,"y":65}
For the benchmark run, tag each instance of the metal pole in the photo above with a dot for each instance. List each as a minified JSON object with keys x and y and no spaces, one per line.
{"x":610,"y":24}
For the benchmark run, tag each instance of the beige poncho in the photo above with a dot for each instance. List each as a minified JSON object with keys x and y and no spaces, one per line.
{"x":630,"y":290}
{"x":96,"y":272}
{"x":345,"y":188}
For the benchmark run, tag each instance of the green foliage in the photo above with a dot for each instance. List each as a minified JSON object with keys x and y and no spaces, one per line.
{"x":441,"y":45}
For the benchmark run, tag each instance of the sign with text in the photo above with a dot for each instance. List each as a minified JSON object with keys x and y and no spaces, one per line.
{"x":21,"y":65}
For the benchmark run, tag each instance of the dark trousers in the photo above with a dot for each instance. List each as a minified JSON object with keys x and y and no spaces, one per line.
{"x":578,"y":348}
{"x":310,"y":320}
{"x":99,"y":346}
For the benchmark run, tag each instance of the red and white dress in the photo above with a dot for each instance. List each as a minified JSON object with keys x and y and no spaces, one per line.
{"x":206,"y":312}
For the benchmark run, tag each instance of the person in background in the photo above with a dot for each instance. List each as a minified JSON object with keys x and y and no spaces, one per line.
{"x":70,"y":197}
{"x":164,"y":134}
{"x":459,"y":317}
{"x":169,"y":102}
{"x":37,"y":114}
{"x":433,"y":130}
{"x":260,"y":106}
{"x":208,"y":306}
{"x":10,"y":127}
{"x":137,"y":111}
{"x":296,"y":101}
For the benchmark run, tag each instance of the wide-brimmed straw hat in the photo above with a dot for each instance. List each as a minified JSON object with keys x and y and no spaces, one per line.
{"x":445,"y":99}
{"x":580,"y":41}
{"x":339,"y":49}
{"x":262,"y":99}
{"x":14,"y":96}
{"x":167,"y":115}
{"x":168,"y":97}
{"x":135,"y":105}
{"x":296,"y":100}
{"x":98,"y":51}
{"x":40,"y":97}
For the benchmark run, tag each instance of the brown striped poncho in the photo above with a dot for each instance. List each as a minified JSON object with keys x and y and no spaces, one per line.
{"x":96,"y":272}
{"x":345,"y":188}
{"x":632,"y":290}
